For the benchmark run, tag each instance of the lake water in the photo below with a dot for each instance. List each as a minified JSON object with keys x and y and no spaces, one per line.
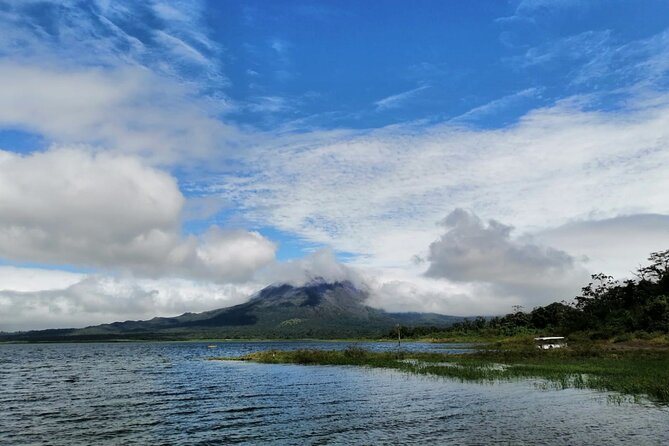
{"x":169,"y":393}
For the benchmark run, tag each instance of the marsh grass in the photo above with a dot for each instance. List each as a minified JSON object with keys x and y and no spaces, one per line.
{"x":633,"y":373}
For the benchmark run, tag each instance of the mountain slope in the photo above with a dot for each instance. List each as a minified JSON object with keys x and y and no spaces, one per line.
{"x":316,"y":310}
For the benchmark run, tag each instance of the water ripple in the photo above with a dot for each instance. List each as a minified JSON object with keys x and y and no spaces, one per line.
{"x":168,"y":393}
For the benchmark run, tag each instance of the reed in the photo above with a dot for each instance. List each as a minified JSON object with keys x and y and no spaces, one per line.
{"x":636,"y":373}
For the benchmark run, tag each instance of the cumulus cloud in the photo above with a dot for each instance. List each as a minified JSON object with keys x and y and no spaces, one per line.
{"x":616,"y":245}
{"x":232,"y":255}
{"x":473,"y":251}
{"x":19,"y":279}
{"x":401,"y":290}
{"x":321,"y":264}
{"x":398,"y":294}
{"x":127,"y":109}
{"x":97,"y":299}
{"x":69,"y":205}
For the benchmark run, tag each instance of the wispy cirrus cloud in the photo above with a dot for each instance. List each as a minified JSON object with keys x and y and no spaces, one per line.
{"x":642,"y":62}
{"x":140,"y":78}
{"x":269,"y":104}
{"x":166,"y":37}
{"x":498,"y":105}
{"x":529,"y":10}
{"x":397,"y":100}
{"x":280,"y":51}
{"x":378,"y":193}
{"x":601,"y":58}
{"x":582,"y":47}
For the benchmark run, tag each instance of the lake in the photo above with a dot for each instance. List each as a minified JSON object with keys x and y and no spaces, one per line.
{"x":169,"y":393}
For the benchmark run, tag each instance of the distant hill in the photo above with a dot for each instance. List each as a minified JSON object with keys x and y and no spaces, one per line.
{"x":320,"y":309}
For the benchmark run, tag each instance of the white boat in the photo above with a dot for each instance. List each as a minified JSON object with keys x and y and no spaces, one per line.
{"x":549,"y":342}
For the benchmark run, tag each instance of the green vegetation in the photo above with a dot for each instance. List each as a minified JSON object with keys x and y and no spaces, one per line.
{"x":606,"y":309}
{"x":618,"y":341}
{"x":631,"y":372}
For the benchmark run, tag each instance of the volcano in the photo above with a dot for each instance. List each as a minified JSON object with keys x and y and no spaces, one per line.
{"x":319,"y":310}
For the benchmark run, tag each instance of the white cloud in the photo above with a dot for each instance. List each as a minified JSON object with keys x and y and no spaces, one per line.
{"x":598,"y":58}
{"x":497,"y":105}
{"x":643,"y":61}
{"x":280,"y":46}
{"x":581,"y":47}
{"x":268,"y":104}
{"x":530,"y":7}
{"x":280,"y":58}
{"x":95,"y":300}
{"x":228,"y":255}
{"x":111,"y":211}
{"x":39,"y":298}
{"x":321,"y":264}
{"x":396,"y":291}
{"x":472,"y":251}
{"x":180,"y":48}
{"x":537,"y":12}
{"x":615,"y":246}
{"x":379,"y":193}
{"x":127,"y":110}
{"x":397,"y":100}
{"x":168,"y":38}
{"x":18,"y":279}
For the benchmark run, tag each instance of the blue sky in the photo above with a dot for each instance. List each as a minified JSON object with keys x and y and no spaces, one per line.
{"x":368,"y":64}
{"x":170,"y":156}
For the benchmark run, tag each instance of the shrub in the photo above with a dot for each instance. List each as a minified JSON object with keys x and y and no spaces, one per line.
{"x":355,"y":352}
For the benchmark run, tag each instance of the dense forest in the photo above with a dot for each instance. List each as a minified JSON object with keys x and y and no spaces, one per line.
{"x":605,"y":309}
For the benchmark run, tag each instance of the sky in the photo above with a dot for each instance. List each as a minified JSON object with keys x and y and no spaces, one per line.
{"x":464,"y":158}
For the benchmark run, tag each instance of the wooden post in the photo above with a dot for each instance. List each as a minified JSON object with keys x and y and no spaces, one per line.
{"x":399,"y":337}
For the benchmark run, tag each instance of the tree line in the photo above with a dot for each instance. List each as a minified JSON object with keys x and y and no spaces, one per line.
{"x":605,"y":308}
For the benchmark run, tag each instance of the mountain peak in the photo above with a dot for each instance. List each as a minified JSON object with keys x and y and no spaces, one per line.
{"x":315,"y":285}
{"x":319,"y":309}
{"x":315,"y":293}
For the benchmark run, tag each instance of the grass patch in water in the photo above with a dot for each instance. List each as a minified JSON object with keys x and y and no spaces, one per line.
{"x":634,"y":372}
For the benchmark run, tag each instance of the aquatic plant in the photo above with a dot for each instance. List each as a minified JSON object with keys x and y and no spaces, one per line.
{"x":635,"y":373}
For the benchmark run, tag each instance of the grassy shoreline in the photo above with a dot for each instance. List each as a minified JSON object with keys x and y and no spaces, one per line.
{"x":633,"y":372}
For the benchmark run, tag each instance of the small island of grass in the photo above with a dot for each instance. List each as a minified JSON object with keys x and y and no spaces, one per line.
{"x":633,"y":372}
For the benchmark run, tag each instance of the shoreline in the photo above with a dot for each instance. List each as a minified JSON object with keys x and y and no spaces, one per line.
{"x":636,"y":373}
